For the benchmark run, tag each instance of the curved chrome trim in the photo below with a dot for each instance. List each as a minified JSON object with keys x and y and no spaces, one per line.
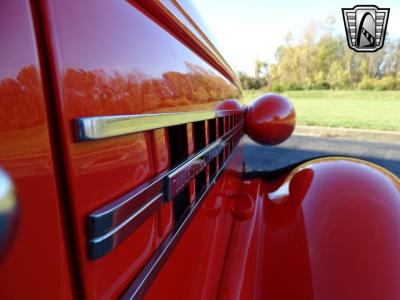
{"x":111,"y":224}
{"x":179,"y":25}
{"x":8,"y":210}
{"x":101,"y":127}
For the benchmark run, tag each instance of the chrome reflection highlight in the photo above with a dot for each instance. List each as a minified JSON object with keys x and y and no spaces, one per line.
{"x":104,"y":244}
{"x":179,"y":178}
{"x":8,"y":210}
{"x":95,"y":128}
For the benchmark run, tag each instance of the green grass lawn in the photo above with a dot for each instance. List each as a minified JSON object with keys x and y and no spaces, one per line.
{"x":378,"y":110}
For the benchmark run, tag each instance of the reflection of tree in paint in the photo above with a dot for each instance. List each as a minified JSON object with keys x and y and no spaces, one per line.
{"x":21,"y":104}
{"x":24,"y":139}
{"x":99,"y":92}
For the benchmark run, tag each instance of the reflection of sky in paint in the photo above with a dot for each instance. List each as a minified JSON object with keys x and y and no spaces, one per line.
{"x":119,"y":40}
{"x":111,"y":35}
{"x":16,"y":48}
{"x":250,"y":29}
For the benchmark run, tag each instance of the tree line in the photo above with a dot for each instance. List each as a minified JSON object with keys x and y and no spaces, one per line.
{"x":321,"y":59}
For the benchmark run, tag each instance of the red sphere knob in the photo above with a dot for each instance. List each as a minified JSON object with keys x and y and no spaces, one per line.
{"x":229,"y":104}
{"x":270,"y":119}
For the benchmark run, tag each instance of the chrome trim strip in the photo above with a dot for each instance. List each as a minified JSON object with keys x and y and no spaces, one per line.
{"x":100,"y":246}
{"x":180,"y":177}
{"x":144,"y":279}
{"x":101,"y":127}
{"x":107,"y":217}
{"x":224,"y":113}
{"x":111,"y":224}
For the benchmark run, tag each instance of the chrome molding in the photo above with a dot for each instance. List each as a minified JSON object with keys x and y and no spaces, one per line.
{"x":101,"y":127}
{"x":180,"y":177}
{"x":111,"y":224}
{"x":110,"y":216}
{"x":8,"y":210}
{"x":144,"y":279}
{"x":102,"y":245}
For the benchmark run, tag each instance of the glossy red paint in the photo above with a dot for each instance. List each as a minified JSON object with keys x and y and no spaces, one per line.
{"x":161,"y":160}
{"x":351,"y":212}
{"x":330,"y":230}
{"x":190,"y":137}
{"x":229,"y":104}
{"x":160,"y":154}
{"x":327,"y":230}
{"x":176,"y":17}
{"x":36,"y":264}
{"x":270,"y":119}
{"x":110,"y":58}
{"x":194,"y":268}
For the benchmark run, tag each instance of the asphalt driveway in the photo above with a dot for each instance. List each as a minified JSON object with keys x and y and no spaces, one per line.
{"x":299,"y":148}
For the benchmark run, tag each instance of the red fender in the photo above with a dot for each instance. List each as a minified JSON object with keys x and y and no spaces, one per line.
{"x":341,"y":218}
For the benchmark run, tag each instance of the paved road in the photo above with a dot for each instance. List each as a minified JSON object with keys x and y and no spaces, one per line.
{"x":299,"y":148}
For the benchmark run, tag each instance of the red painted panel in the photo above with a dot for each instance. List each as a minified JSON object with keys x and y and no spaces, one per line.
{"x":331,"y":233}
{"x":194,"y":268}
{"x":179,"y":22}
{"x":160,"y":150}
{"x":36,"y":265}
{"x":161,"y":159}
{"x":166,"y":220}
{"x":190,"y":137}
{"x":109,"y":58}
{"x":351,"y":225}
{"x":329,"y":230}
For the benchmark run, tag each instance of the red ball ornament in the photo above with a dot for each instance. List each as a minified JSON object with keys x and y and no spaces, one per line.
{"x":229,"y":104}
{"x":270,"y":119}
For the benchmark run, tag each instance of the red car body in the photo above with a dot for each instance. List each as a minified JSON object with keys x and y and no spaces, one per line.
{"x":126,"y":159}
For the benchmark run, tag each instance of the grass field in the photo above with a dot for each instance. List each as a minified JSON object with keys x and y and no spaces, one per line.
{"x":378,"y":110}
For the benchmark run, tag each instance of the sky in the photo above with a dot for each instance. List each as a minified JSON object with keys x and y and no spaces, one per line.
{"x":247,"y":30}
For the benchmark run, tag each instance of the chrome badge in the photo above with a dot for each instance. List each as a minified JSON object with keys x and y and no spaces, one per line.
{"x":365,"y":27}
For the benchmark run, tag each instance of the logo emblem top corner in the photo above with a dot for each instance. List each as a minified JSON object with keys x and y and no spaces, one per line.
{"x":365,"y":27}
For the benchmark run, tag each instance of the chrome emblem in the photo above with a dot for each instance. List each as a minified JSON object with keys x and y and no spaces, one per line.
{"x":181,"y":176}
{"x":365,"y":27}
